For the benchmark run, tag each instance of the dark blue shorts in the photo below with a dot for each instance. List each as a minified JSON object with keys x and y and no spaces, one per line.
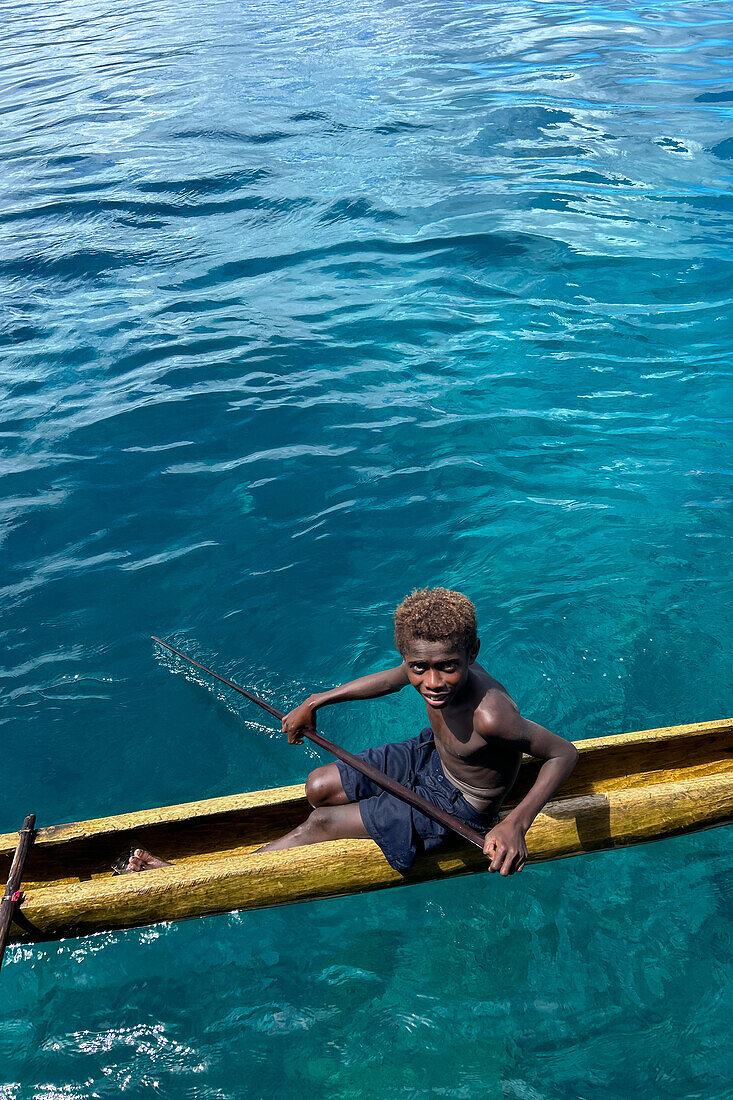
{"x":400,"y":830}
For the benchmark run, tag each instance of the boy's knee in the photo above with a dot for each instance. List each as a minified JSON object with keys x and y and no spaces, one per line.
{"x":319,"y":787}
{"x":320,"y":822}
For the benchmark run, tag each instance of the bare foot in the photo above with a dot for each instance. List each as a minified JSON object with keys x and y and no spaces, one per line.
{"x":140,"y":860}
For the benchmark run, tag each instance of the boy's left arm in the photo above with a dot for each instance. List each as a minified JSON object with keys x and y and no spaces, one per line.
{"x":505,"y":843}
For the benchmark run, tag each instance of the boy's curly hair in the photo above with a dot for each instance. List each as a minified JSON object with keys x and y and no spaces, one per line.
{"x":435,"y":614}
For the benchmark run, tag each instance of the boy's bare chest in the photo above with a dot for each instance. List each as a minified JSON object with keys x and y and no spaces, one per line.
{"x":462,"y":744}
{"x":469,"y":757}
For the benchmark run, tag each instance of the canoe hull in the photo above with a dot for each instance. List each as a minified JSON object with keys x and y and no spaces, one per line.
{"x":627,"y":790}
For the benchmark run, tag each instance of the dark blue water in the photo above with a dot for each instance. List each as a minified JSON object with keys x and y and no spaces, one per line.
{"x":303,"y":306}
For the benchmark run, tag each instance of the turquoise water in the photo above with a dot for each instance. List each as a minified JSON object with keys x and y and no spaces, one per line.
{"x":305,"y":305}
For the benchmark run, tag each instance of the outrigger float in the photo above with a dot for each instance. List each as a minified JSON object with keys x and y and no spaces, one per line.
{"x":626,"y":789}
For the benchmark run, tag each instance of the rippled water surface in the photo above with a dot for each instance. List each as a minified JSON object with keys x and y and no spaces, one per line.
{"x":305,"y":305}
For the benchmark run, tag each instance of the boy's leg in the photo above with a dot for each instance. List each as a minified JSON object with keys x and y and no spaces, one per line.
{"x":323,"y":789}
{"x":325,"y":823}
{"x":344,"y":799}
{"x":336,"y":814}
{"x":325,"y":792}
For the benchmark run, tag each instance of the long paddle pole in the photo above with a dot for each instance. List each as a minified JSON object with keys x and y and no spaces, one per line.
{"x":378,"y":777}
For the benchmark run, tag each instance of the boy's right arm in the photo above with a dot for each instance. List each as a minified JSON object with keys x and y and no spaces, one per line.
{"x":366,"y":687}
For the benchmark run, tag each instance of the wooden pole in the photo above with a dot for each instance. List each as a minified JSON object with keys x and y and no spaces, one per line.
{"x":11,"y":896}
{"x":378,"y":777}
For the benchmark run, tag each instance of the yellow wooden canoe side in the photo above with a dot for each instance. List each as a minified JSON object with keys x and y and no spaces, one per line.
{"x":160,"y":815}
{"x":567,"y":827}
{"x":593,"y":753}
{"x":661,"y":733}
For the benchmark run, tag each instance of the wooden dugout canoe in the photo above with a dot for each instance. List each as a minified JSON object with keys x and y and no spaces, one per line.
{"x":626,"y":789}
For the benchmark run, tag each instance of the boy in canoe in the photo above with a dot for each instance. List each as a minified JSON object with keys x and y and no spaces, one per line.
{"x":465,"y":761}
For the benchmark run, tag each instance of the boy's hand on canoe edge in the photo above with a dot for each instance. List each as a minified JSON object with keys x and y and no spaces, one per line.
{"x":299,"y":721}
{"x":505,"y":847}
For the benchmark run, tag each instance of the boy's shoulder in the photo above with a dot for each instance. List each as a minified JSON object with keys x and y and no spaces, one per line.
{"x":495,"y":712}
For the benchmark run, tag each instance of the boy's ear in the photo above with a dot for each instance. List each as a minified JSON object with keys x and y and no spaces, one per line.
{"x":474,"y":652}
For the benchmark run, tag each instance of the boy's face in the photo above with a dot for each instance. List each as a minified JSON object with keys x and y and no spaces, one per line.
{"x":439,"y":670}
